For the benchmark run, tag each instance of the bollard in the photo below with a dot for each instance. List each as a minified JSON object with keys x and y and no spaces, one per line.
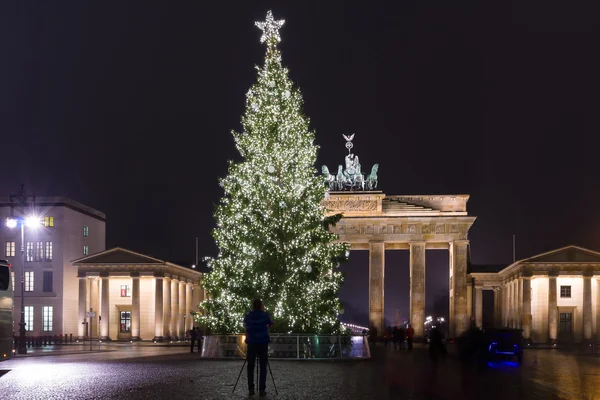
{"x":71,"y":338}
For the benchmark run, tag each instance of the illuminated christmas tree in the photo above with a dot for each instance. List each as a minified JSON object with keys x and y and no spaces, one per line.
{"x":272,"y":231}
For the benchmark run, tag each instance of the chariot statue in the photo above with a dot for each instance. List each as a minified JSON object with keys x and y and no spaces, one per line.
{"x":351,"y":177}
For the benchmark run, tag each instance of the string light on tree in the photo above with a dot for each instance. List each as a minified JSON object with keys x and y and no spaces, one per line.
{"x":272,"y":233}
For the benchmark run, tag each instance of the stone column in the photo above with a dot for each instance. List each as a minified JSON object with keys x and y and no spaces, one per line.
{"x":167,"y":306}
{"x":135,"y":306}
{"x":511,"y":307}
{"x":515,"y":303}
{"x":504,"y":307}
{"x":376,"y":280}
{"x":417,"y":288}
{"x":188,"y":306}
{"x":552,"y":309}
{"x":81,"y":312}
{"x":520,"y":303}
{"x":598,"y":310}
{"x":458,"y":258}
{"x":497,"y":308}
{"x":159,"y":327}
{"x":526,"y":315}
{"x":104,"y":324}
{"x":587,"y":308}
{"x":508,"y":303}
{"x":175,"y":309}
{"x":479,"y":306}
{"x":94,"y":304}
{"x":182,"y":311}
{"x":470,"y":311}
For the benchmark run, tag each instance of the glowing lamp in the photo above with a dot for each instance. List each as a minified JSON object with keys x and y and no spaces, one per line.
{"x":11,"y":222}
{"x":32,"y":222}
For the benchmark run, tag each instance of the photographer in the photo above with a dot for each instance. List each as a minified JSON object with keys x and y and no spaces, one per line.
{"x":257,"y":324}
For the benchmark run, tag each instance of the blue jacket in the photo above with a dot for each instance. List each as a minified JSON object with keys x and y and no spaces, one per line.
{"x":257,"y":327}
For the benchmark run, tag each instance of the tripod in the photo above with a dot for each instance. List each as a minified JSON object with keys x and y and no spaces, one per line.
{"x":257,"y":361}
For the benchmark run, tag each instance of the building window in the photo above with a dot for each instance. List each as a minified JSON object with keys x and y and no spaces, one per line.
{"x":47,"y":312}
{"x":125,"y":326}
{"x":85,"y":250}
{"x":39,"y":251}
{"x":47,"y":281}
{"x":29,"y":251}
{"x":12,"y":278}
{"x":565,"y":291}
{"x":48,"y":253}
{"x":29,"y":281}
{"x":85,"y":231}
{"x":566,"y":321}
{"x":29,"y":318}
{"x":48,"y":221}
{"x":10,"y":249}
{"x":125,"y":291}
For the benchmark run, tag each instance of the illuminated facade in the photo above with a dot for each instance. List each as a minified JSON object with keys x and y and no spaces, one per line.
{"x":552,"y":297}
{"x":67,"y":230}
{"x":135,"y":297}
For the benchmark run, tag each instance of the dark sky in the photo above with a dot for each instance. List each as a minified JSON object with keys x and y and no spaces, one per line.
{"x":128,"y":107}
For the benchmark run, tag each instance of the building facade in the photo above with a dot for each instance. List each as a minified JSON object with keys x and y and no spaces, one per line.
{"x":553,"y":297}
{"x":124,"y":295}
{"x":67,"y":230}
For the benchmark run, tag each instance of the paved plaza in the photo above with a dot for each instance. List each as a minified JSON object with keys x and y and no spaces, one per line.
{"x":149,"y":372}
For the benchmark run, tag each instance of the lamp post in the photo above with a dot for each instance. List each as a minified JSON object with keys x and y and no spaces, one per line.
{"x":12,"y":222}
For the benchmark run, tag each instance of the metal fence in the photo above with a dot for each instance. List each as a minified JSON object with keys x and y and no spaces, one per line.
{"x":291,"y":347}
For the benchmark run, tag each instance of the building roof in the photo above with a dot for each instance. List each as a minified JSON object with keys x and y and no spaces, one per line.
{"x":118,"y":258}
{"x":568,"y":254}
{"x":59,"y":201}
{"x":117,"y":255}
{"x":487,"y":268}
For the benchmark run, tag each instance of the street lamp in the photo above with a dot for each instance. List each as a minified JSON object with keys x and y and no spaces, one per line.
{"x":31,"y":222}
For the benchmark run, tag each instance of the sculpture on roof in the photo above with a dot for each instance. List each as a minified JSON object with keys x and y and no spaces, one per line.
{"x":350,"y":178}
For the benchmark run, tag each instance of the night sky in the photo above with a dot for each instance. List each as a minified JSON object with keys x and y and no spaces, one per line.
{"x":128,"y":106}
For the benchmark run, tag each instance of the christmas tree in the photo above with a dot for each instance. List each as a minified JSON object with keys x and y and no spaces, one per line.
{"x":272,"y":231}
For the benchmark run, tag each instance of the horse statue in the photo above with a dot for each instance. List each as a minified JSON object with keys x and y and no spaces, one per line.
{"x":359,"y":180}
{"x":328,"y":178}
{"x":372,"y":178}
{"x":340,"y":178}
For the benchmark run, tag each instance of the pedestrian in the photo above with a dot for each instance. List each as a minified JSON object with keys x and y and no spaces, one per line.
{"x":257,"y":323}
{"x":401,"y":338}
{"x":395,"y":337}
{"x":436,"y":345}
{"x":373,"y":334}
{"x":410,"y":332}
{"x":199,"y":338}
{"x":387,"y":335}
{"x":193,"y":338}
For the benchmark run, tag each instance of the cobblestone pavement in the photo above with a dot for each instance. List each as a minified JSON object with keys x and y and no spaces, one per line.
{"x":160,"y":373}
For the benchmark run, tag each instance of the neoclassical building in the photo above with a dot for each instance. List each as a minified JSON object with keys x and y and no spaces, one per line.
{"x":554,"y":296}
{"x":135,"y":297}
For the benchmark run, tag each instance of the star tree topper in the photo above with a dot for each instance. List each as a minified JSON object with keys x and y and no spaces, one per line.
{"x":270,"y":29}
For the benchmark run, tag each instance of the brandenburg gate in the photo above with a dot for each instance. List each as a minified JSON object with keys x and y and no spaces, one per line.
{"x":375,"y":222}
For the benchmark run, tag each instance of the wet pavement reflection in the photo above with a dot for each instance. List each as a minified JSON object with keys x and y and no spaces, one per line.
{"x":146,"y":372}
